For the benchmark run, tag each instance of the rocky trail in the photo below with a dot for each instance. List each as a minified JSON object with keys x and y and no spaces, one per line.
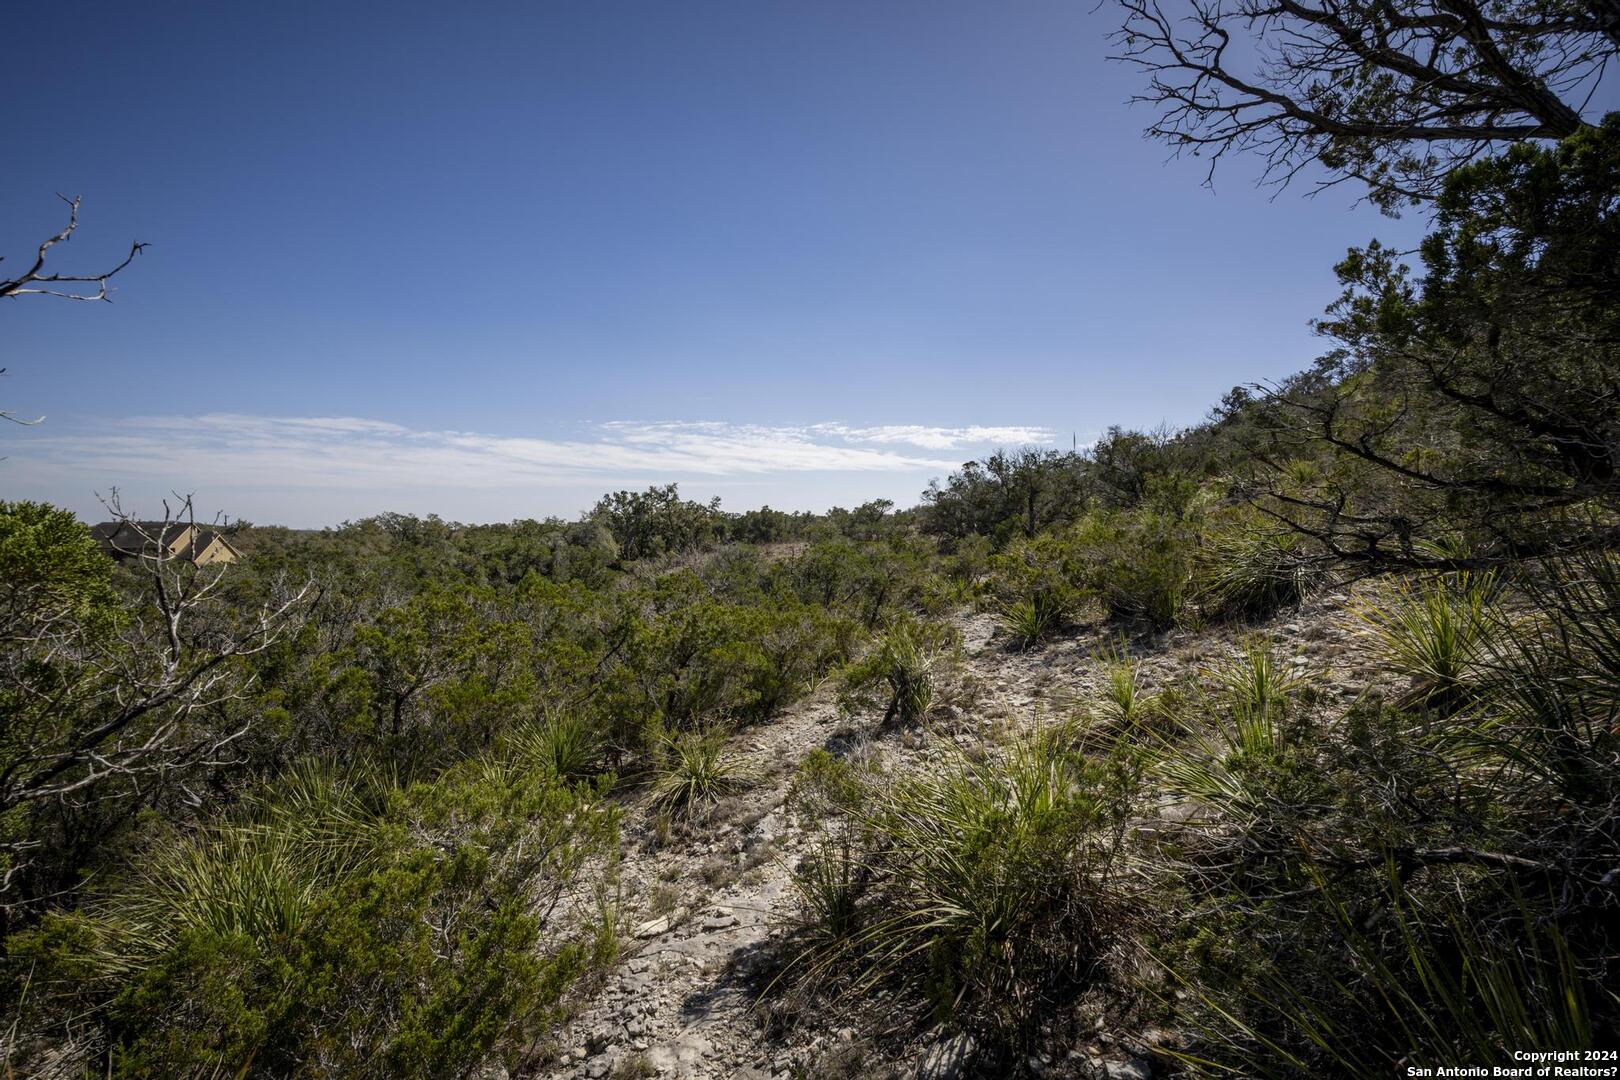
{"x":700,"y":907}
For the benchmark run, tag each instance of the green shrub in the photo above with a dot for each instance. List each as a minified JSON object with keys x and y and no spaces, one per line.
{"x":1252,"y":682}
{"x":413,"y":941}
{"x":696,"y":658}
{"x":791,"y":645}
{"x":1137,"y":564}
{"x":1034,"y":582}
{"x":825,"y":783}
{"x":830,"y":882}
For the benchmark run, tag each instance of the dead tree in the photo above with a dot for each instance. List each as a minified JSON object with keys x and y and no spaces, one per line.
{"x":101,"y":715}
{"x":1393,"y":93}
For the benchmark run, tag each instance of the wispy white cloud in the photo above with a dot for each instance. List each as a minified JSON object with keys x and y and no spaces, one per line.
{"x":937,"y":438}
{"x":235,"y":451}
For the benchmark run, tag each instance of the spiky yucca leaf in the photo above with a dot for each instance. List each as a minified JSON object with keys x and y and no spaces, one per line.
{"x":1120,"y":683}
{"x":1438,"y":988}
{"x":1253,"y":682}
{"x":1439,"y":633}
{"x":696,"y":770}
{"x":1027,"y":621}
{"x":562,"y":744}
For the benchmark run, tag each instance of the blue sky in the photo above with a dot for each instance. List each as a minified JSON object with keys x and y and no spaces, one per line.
{"x":491,"y":260}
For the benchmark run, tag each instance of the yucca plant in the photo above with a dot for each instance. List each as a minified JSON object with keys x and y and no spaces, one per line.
{"x":1227,"y":736}
{"x":1438,"y":633}
{"x":908,"y":665}
{"x":566,"y":745}
{"x":903,"y":663}
{"x":1208,"y":762}
{"x":1252,"y":683}
{"x":244,"y":880}
{"x":1435,"y":989}
{"x":830,"y":882}
{"x":981,"y":883}
{"x":1120,"y":682}
{"x":695,"y":770}
{"x":1028,"y":620}
{"x":1250,"y":571}
{"x":323,"y":804}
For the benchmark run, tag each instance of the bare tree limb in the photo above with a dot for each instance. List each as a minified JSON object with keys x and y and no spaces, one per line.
{"x":35,"y":275}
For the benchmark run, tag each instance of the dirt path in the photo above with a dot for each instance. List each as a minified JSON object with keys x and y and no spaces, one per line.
{"x":697,"y":910}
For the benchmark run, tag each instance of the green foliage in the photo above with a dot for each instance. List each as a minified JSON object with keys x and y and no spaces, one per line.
{"x":1028,"y":621}
{"x":868,"y":582}
{"x":1120,"y":691}
{"x":824,"y":783}
{"x":1438,"y":633}
{"x":1006,"y":494}
{"x":51,"y":572}
{"x":567,"y":745}
{"x":1138,"y":564}
{"x":830,"y":883}
{"x":385,"y":933}
{"x":1247,"y":567}
{"x":1441,"y":989}
{"x":903,"y":662}
{"x":697,"y":658}
{"x":1036,"y":585}
{"x":1477,"y":398}
{"x":657,"y":521}
{"x":1424,"y":881}
{"x":1252,"y":683}
{"x":976,"y":885}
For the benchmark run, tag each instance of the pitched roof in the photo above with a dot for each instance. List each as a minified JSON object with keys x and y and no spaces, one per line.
{"x":132,"y":537}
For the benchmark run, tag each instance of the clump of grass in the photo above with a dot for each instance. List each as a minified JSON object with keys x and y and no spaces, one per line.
{"x":228,"y":880}
{"x":637,"y":1066}
{"x":1249,"y":571}
{"x":258,"y":877}
{"x":563,"y":744}
{"x":695,"y":770}
{"x":1438,"y":633}
{"x":830,"y":881}
{"x":1232,"y":743}
{"x":664,"y":898}
{"x":1434,"y":988}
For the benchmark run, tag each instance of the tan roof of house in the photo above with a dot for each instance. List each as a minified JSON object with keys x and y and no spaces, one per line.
{"x":131,"y":538}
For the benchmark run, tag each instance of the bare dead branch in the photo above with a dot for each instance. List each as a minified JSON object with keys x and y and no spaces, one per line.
{"x":32,"y":281}
{"x":1395,"y":94}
